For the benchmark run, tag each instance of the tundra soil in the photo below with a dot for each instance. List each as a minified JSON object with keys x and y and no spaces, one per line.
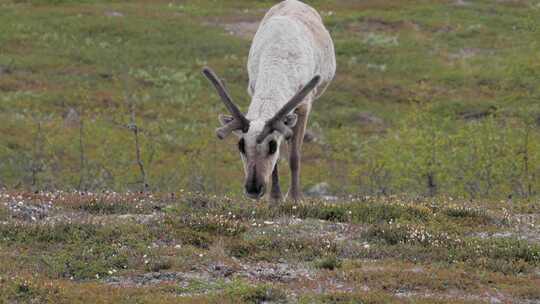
{"x":451,"y":85}
{"x":189,"y":248}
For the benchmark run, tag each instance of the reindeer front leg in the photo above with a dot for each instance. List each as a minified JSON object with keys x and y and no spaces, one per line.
{"x":295,"y":150}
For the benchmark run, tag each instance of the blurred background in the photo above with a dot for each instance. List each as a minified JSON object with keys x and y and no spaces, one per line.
{"x":430,"y":98}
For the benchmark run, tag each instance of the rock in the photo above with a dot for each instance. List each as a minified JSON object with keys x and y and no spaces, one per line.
{"x":482,"y":235}
{"x":281,"y":272}
{"x":330,"y":198}
{"x":113,"y":14}
{"x":221,"y":270}
{"x":319,"y":190}
{"x":71,"y":118}
{"x":29,"y":212}
{"x":478,"y":114}
{"x":377,"y":67}
{"x":310,"y":136}
{"x":505,"y":234}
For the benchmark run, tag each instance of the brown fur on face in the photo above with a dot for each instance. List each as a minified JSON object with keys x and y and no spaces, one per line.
{"x":259,"y":159}
{"x":260,"y":140}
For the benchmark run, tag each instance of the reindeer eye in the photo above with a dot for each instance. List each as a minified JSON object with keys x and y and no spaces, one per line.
{"x":242,"y":146}
{"x":272,"y":147}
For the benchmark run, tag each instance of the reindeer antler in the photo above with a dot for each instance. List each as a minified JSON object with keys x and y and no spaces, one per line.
{"x":276,"y":122}
{"x":240,"y":122}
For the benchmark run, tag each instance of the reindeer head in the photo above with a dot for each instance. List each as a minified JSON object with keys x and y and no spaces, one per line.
{"x":259,"y":140}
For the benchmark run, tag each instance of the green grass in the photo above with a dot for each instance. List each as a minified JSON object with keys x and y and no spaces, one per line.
{"x":88,"y":56}
{"x":430,"y":128}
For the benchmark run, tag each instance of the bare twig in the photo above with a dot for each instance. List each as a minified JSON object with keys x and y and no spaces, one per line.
{"x":528,"y":191}
{"x":81,"y":150}
{"x":130,"y":127}
{"x":135,"y":131}
{"x":37,"y":159}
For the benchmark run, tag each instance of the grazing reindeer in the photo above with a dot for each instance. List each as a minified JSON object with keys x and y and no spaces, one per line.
{"x":291,"y":62}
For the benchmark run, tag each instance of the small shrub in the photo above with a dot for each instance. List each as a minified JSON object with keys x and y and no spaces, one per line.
{"x":27,"y":291}
{"x":359,"y":212}
{"x":255,"y":294}
{"x":240,"y":248}
{"x":157,"y":263}
{"x":4,"y":215}
{"x":506,"y":255}
{"x":274,"y":247}
{"x":347,"y":298}
{"x":377,"y":213}
{"x":331,"y":262}
{"x":476,"y":214}
{"x":389,"y":234}
{"x":215,"y":224}
{"x":193,"y":237}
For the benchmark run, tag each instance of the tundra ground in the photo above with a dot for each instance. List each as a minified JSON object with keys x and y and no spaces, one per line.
{"x":429,"y":96}
{"x":190,"y":248}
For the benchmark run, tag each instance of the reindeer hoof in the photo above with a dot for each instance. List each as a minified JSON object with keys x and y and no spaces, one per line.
{"x":277,"y":198}
{"x":295,"y":196}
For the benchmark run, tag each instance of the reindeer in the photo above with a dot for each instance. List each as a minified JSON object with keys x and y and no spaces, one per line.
{"x":291,"y":62}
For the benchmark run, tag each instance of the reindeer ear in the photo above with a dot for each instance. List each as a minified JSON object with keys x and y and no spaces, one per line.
{"x":225,"y":119}
{"x":290,"y":120}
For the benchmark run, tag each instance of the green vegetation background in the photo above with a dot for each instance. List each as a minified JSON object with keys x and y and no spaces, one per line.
{"x":431,"y":97}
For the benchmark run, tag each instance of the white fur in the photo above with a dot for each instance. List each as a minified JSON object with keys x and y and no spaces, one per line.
{"x":290,"y":47}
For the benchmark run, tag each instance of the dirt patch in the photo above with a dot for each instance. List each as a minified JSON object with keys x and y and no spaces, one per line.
{"x":462,"y":3}
{"x":455,"y":295}
{"x":520,"y":3}
{"x":389,"y":93}
{"x":155,"y":278}
{"x":523,"y":227}
{"x":379,"y":25}
{"x":242,"y":29}
{"x":241,"y":26}
{"x":271,"y":272}
{"x":263,"y":272}
{"x":467,"y":53}
{"x":365,"y":119}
